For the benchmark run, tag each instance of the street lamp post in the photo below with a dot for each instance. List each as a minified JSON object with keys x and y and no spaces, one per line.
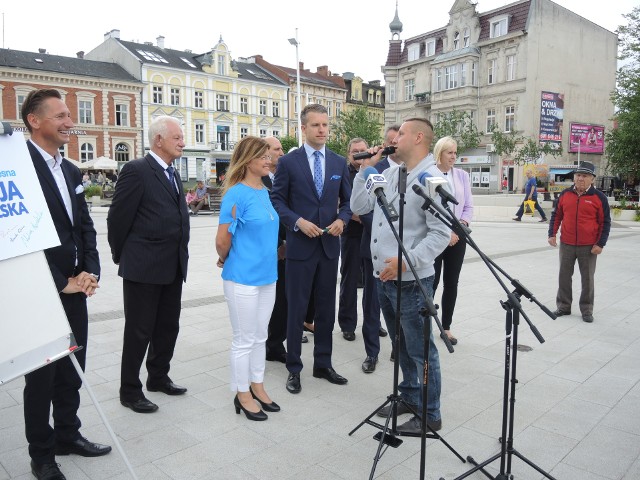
{"x":294,"y":41}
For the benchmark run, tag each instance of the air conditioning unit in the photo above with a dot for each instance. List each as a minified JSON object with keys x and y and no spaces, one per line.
{"x":491,"y":148}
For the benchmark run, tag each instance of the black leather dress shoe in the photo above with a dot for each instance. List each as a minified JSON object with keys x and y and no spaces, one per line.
{"x":46,"y":471}
{"x":293,"y":383}
{"x":142,"y":405}
{"x":350,"y":336}
{"x":369,"y":364}
{"x":382,"y":332}
{"x":169,"y":388}
{"x":560,"y":313}
{"x":277,"y":357}
{"x":304,"y":339}
{"x":329,"y":374}
{"x":82,"y":447}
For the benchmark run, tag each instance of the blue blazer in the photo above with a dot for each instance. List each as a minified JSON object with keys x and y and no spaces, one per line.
{"x":294,"y":195}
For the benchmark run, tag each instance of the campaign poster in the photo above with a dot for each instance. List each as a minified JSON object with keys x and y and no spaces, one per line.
{"x":26,"y":225}
{"x":551,"y":118}
{"x":586,"y":138}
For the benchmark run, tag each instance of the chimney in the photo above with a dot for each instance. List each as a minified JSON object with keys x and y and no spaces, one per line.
{"x":160,"y":41}
{"x":301,"y":65}
{"x":80,"y":54}
{"x":42,"y":50}
{"x":323,"y":70}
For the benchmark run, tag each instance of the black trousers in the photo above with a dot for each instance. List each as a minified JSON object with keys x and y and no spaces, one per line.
{"x":152,"y":320}
{"x":450,"y":260}
{"x":58,"y":385}
{"x":350,"y":269}
{"x":278,"y":321}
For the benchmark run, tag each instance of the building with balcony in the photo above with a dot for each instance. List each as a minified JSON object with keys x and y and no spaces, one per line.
{"x":531,"y":66}
{"x":103,"y":98}
{"x":321,"y":87}
{"x":219,"y":100}
{"x":369,"y":94}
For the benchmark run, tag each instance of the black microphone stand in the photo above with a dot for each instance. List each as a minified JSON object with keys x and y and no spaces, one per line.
{"x":384,"y":437}
{"x":513,"y":309}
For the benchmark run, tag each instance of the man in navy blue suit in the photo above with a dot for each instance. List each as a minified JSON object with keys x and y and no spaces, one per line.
{"x":311,"y":193}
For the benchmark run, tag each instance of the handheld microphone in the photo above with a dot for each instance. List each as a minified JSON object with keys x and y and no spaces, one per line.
{"x":429,"y":180}
{"x":364,"y":155}
{"x":375,"y":185}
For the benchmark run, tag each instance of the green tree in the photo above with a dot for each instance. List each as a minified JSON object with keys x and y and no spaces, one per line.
{"x":623,"y":142}
{"x":288,"y":142}
{"x":523,"y":150}
{"x":357,"y":122}
{"x":460,"y":126}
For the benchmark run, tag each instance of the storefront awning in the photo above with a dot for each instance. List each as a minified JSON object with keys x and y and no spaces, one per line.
{"x":560,"y":171}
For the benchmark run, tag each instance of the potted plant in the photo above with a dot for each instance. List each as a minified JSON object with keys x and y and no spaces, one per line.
{"x":93,"y":193}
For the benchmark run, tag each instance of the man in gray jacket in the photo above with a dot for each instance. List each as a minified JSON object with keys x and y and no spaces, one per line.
{"x":425,"y":237}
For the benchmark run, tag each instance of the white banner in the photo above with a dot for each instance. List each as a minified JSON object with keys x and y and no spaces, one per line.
{"x":25,"y":222}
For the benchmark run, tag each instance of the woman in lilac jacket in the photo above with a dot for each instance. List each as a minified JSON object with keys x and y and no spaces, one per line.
{"x":449,"y":262}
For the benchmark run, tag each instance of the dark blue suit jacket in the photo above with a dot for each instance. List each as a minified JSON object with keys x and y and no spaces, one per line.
{"x":294,"y":195}
{"x":78,"y":238}
{"x":148,"y":224}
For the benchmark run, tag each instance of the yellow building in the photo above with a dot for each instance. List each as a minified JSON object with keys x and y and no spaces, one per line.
{"x":219,"y":100}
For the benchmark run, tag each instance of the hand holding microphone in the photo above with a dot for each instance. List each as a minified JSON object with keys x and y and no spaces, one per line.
{"x":390,"y":150}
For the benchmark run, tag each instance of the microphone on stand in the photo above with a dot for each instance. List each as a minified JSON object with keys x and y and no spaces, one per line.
{"x":374,"y":185}
{"x":364,"y":155}
{"x":429,"y":180}
{"x":430,"y":202}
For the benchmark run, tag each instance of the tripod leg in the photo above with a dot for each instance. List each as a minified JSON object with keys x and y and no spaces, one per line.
{"x":531,"y":464}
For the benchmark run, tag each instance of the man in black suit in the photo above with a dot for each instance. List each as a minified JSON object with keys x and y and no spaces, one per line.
{"x":353,"y":263}
{"x":148,"y":232}
{"x":278,"y":321}
{"x":311,"y":194}
{"x":75,"y":268}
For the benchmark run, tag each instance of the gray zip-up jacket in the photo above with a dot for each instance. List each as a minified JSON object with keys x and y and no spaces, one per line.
{"x":424,"y":236}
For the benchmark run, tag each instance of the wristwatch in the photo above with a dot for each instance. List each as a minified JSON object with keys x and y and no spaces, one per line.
{"x":97,"y":277}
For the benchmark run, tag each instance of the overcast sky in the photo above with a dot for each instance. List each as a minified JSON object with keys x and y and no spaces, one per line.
{"x":346,"y":35}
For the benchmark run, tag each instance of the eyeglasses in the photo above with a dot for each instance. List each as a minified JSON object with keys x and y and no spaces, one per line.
{"x":265,"y":157}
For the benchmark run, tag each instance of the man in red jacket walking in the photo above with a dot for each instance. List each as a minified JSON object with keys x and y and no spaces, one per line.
{"x":582,"y":215}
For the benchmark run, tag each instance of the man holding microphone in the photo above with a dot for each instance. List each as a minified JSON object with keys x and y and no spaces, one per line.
{"x":425,"y":237}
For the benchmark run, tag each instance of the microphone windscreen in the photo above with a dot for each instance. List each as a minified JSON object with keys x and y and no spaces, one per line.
{"x":370,"y":171}
{"x":422,"y":178}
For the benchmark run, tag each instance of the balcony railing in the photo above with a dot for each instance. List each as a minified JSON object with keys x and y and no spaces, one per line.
{"x":423,"y":99}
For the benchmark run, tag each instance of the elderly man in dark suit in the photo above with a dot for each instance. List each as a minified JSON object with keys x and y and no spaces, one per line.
{"x":311,"y":194}
{"x":148,"y":231}
{"x":75,"y":268}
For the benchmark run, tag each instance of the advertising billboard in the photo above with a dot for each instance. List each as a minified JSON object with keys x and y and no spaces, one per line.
{"x":551,"y":117}
{"x":586,"y":138}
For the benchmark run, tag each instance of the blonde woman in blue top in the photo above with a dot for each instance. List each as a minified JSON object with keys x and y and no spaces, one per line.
{"x":246,"y":243}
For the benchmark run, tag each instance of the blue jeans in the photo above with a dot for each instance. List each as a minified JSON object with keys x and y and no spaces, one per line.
{"x":411,"y":352}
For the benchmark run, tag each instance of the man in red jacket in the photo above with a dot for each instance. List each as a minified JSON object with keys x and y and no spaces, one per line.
{"x":582,"y":214}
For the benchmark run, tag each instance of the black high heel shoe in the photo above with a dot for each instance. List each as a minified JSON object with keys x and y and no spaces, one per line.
{"x":269,"y":407}
{"x":257,"y":416}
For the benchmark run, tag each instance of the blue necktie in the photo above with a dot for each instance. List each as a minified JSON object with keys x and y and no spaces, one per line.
{"x":317,"y":173}
{"x":171,"y":171}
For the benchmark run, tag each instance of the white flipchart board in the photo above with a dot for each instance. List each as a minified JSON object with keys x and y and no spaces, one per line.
{"x":34,"y":329}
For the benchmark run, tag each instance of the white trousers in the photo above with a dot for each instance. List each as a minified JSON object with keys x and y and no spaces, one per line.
{"x":249,"y":311}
